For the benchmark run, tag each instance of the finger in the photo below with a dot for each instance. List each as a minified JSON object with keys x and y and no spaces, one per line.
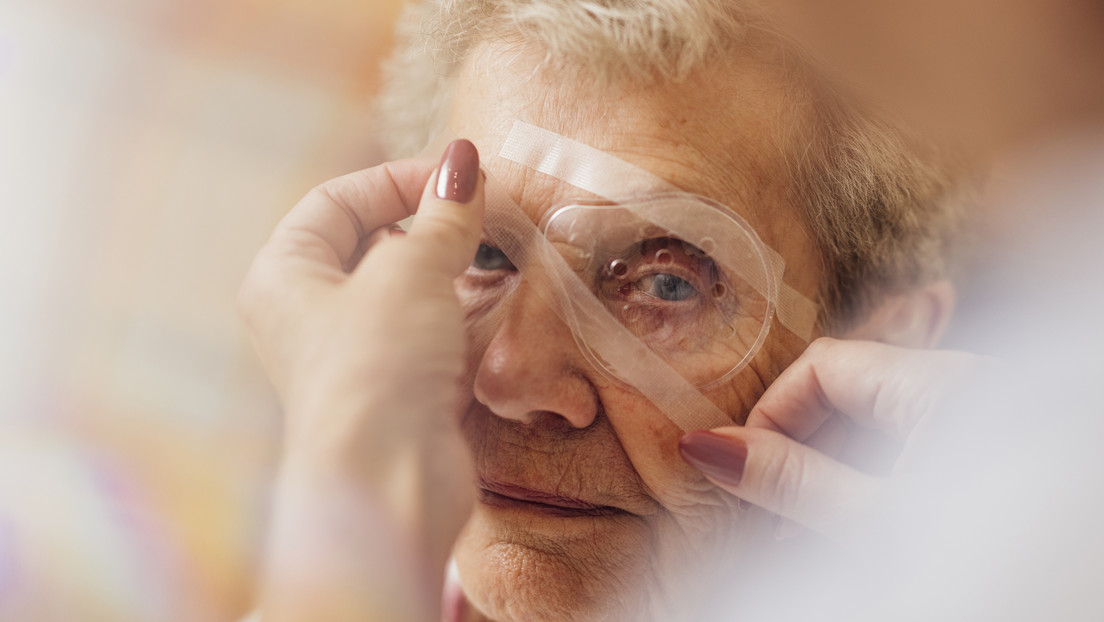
{"x":328,"y":224}
{"x":449,"y":223}
{"x":830,"y":438}
{"x":871,"y":451}
{"x":783,"y":476}
{"x":367,"y":242}
{"x":875,"y":385}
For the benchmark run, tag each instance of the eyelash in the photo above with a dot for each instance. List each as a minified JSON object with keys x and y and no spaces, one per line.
{"x":639,"y":274}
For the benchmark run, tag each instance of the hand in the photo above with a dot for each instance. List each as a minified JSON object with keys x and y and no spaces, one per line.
{"x":788,"y":457}
{"x":362,"y":336}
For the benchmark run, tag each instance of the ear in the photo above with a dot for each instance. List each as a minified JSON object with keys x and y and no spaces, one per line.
{"x":916,"y":318}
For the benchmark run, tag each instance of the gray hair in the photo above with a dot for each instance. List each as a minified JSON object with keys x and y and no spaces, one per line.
{"x":882,"y":211}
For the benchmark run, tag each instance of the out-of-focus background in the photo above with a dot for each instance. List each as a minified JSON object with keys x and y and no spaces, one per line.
{"x":147,"y":147}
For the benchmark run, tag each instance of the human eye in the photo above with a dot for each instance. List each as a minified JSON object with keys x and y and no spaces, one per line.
{"x":666,"y":287}
{"x":490,"y":259}
{"x":661,"y":271}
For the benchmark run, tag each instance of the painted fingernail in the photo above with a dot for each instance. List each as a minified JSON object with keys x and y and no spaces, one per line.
{"x":718,"y":457}
{"x":459,"y":172}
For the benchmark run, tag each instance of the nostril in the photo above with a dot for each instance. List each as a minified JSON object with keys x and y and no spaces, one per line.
{"x":532,"y":370}
{"x":566,"y":423}
{"x":534,"y":398}
{"x":501,"y":396}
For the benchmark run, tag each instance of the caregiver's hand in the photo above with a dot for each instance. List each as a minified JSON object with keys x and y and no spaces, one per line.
{"x":785,"y":458}
{"x":362,"y":336}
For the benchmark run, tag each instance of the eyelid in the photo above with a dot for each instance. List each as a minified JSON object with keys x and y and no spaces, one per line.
{"x":642,"y":268}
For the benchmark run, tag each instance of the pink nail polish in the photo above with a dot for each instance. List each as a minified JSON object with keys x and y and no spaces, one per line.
{"x":720,"y":458}
{"x":459,"y":172}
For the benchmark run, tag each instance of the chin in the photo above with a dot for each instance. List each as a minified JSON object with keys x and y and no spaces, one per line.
{"x":519,"y":565}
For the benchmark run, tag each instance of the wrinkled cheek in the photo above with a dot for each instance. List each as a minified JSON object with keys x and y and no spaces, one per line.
{"x":696,"y":555}
{"x":708,"y":524}
{"x":703,"y":518}
{"x":650,"y":441}
{"x":697,"y":515}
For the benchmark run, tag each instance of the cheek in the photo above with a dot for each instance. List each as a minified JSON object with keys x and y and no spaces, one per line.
{"x":693,"y":508}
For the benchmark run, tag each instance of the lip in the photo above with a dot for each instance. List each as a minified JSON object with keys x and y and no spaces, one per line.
{"x":503,"y":495}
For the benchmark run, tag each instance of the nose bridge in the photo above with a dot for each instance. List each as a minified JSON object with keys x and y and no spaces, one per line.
{"x":532,"y":364}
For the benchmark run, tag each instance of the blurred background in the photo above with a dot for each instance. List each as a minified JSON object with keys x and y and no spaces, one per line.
{"x":147,"y":147}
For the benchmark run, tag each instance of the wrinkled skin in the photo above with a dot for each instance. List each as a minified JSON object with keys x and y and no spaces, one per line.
{"x":541,"y":418}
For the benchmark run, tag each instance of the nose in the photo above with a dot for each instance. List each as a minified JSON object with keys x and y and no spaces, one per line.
{"x":532,"y":367}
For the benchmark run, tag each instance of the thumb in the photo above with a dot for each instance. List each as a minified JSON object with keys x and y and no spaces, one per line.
{"x":449,"y":221}
{"x":783,"y":476}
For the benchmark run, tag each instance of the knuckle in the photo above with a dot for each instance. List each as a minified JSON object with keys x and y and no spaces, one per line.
{"x":339,"y":193}
{"x":821,"y":347}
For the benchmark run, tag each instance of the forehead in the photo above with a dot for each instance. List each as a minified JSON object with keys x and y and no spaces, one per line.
{"x":719,"y":133}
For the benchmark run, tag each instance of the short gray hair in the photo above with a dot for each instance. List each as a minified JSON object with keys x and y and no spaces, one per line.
{"x":883,"y":212}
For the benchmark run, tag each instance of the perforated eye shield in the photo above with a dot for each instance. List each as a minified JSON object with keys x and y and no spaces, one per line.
{"x":663,"y":368}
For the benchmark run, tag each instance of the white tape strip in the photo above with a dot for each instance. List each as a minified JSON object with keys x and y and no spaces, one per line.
{"x":610,"y":177}
{"x":575,"y":304}
{"x":578,"y":164}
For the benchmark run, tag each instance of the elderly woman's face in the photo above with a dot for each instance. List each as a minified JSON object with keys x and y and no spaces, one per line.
{"x":585,"y":508}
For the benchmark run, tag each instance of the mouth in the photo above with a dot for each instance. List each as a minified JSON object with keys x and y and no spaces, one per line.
{"x":499,"y":494}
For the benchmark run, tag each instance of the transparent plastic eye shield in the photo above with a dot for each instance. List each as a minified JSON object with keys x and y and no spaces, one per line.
{"x":665,"y":292}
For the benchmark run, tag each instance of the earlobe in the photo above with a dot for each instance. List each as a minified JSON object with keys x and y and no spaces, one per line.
{"x":913,"y":319}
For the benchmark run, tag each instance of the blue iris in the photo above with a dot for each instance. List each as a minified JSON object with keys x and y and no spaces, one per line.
{"x":490,"y":258}
{"x":669,"y":287}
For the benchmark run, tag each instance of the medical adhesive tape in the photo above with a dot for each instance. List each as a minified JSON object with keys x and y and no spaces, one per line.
{"x":572,"y":300}
{"x":576,"y":306}
{"x":611,"y":178}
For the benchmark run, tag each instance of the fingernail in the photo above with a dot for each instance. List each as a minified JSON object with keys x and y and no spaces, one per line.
{"x":459,"y":172}
{"x":718,"y":457}
{"x":396,"y":232}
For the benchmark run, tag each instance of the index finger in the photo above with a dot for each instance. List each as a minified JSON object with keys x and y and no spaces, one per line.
{"x":875,"y":385}
{"x":328,"y":223}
